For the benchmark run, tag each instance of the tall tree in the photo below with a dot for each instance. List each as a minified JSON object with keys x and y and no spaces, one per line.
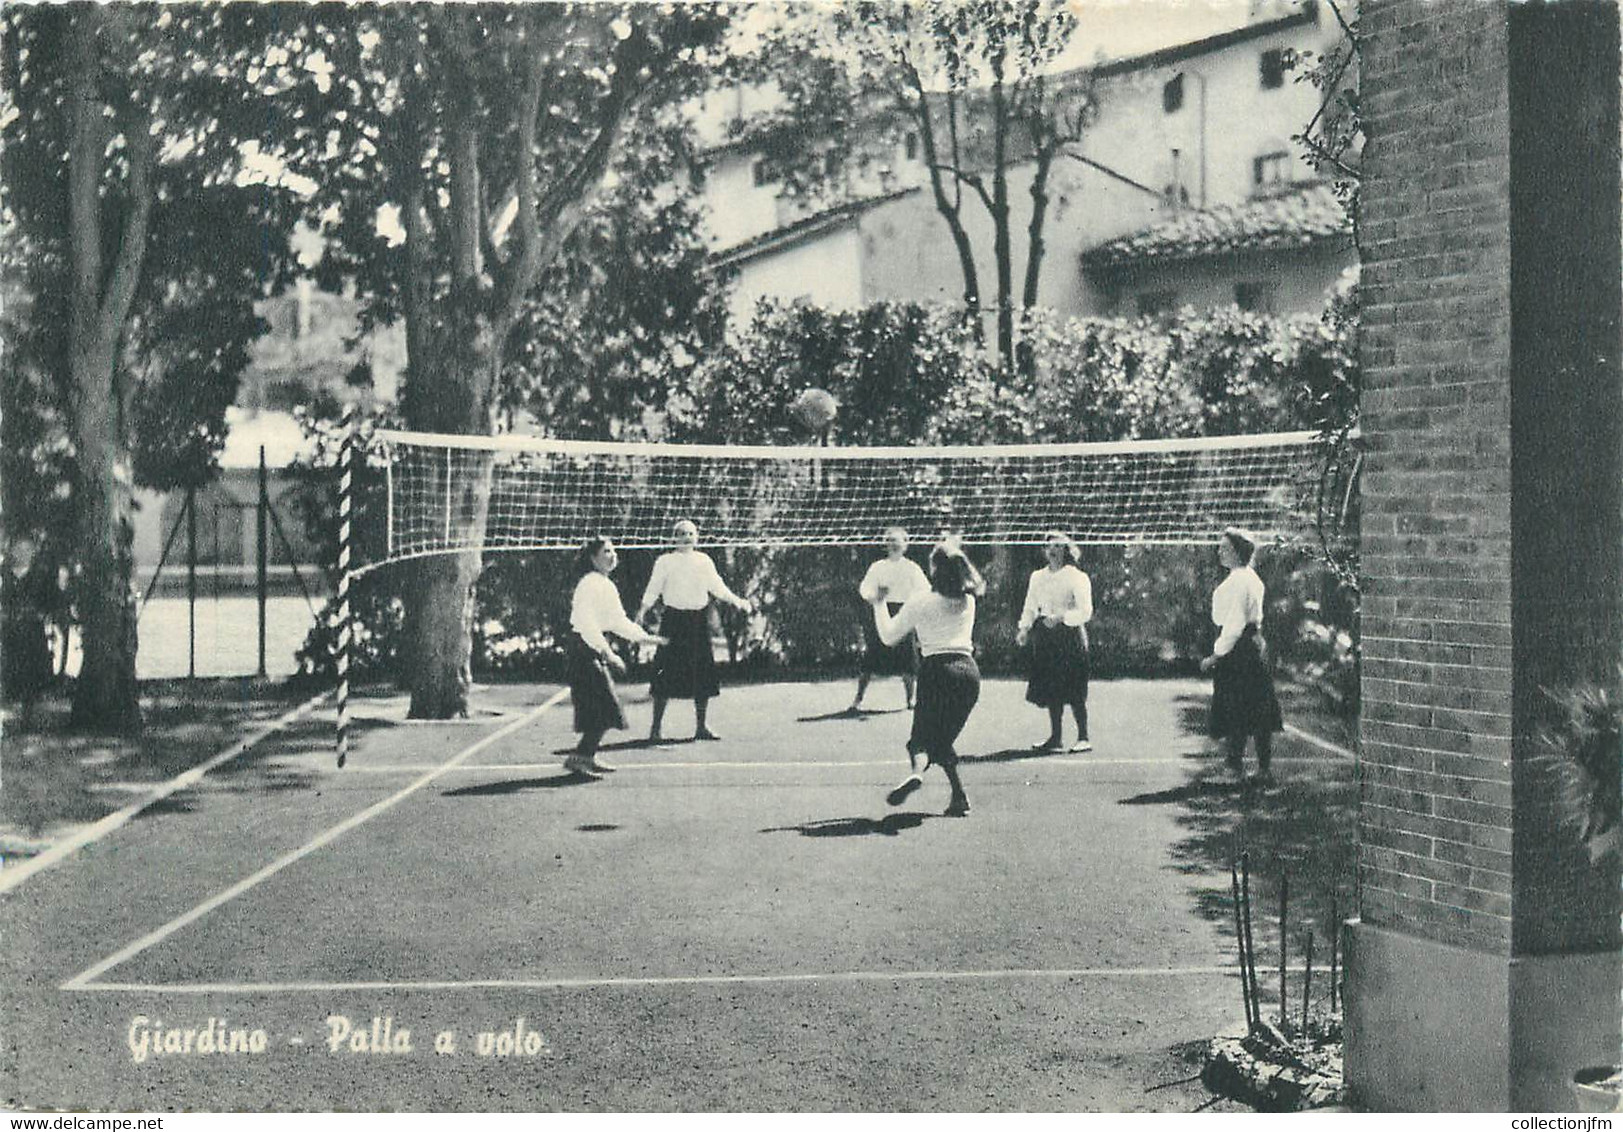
{"x":122,"y":149}
{"x":974,"y":82}
{"x":486,"y":132}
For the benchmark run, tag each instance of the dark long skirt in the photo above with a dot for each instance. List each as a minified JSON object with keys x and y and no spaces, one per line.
{"x":685,"y":669}
{"x":1059,"y":667}
{"x":880,"y":659}
{"x":592,"y":691}
{"x":949,"y":685}
{"x":1243,"y":699}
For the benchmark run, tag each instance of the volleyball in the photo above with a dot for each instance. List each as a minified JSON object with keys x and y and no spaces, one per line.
{"x":815,"y":409}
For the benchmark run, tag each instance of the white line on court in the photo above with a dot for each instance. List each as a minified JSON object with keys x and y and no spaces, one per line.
{"x":660,"y":980}
{"x":799,"y":764}
{"x":13,"y":875}
{"x":1314,"y":741}
{"x":78,"y":981}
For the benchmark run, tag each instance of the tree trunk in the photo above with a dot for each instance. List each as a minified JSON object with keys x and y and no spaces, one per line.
{"x":440,"y":607}
{"x":1002,"y":243}
{"x":949,"y":209}
{"x":441,"y":611}
{"x":1035,"y":249}
{"x":105,"y":696}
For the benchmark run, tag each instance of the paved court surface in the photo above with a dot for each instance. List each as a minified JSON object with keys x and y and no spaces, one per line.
{"x":716,"y":926}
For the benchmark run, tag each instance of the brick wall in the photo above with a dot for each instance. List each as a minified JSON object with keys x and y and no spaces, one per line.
{"x":1435,"y":827}
{"x":1493,"y":415}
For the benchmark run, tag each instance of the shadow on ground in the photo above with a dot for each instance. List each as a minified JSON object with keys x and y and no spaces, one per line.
{"x":518,"y":785}
{"x":1297,"y":831}
{"x":849,"y":715}
{"x":888,"y":826}
{"x":1013,"y":754}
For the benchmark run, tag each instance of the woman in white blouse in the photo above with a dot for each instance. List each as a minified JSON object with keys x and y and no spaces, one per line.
{"x":943,"y":618}
{"x":594,"y":611}
{"x":684,"y":580}
{"x":1059,"y":605}
{"x":1244,"y":705}
{"x":892,"y":579}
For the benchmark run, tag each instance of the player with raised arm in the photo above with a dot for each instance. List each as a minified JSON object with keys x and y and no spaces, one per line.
{"x":949,"y":680}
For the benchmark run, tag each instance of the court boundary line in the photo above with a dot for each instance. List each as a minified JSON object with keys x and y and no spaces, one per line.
{"x":1313,"y":740}
{"x":321,"y":840}
{"x":13,"y":875}
{"x":610,"y":982}
{"x":814,"y":764}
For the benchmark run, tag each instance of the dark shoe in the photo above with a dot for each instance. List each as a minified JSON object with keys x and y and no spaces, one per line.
{"x":655,"y":739}
{"x":1265,"y":776}
{"x":899,"y":795}
{"x":1052,"y":743}
{"x":958,"y":807}
{"x":707,"y":735}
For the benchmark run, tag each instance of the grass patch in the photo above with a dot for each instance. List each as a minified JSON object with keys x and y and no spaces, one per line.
{"x":55,"y":779}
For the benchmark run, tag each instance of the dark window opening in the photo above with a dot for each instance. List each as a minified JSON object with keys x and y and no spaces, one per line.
{"x":758,"y":172}
{"x":1271,"y":170}
{"x":1251,"y":295}
{"x":1154,"y":303}
{"x":1273,"y":68}
{"x":1172,"y":96}
{"x":912,"y":146}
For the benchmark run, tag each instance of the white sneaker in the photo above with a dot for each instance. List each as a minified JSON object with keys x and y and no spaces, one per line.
{"x":1081,"y":745}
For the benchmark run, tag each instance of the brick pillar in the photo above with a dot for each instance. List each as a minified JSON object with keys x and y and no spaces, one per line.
{"x":1484,"y":965}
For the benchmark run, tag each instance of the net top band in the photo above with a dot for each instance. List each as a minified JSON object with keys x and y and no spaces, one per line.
{"x":539,"y":444}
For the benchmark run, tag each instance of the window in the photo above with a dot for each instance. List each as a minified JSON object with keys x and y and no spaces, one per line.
{"x":1273,"y":68}
{"x":1251,"y":295}
{"x":1153,"y":303}
{"x":912,"y":146}
{"x":1172,"y":96}
{"x":758,"y":172}
{"x":1271,"y":170}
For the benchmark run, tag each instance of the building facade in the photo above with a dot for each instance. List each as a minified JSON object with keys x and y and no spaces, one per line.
{"x":1187,"y":189}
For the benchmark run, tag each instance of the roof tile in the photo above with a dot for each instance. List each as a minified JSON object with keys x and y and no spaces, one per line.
{"x":1296,"y":219}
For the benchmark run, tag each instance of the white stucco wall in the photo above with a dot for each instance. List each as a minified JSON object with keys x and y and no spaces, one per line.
{"x":826,"y":271}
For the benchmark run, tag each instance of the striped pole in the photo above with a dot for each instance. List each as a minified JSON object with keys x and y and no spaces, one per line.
{"x":346,"y":477}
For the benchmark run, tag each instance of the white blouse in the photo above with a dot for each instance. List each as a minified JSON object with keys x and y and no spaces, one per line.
{"x":1065,"y":593}
{"x":1236,"y":603}
{"x":596,"y":610}
{"x":943,"y":624}
{"x":686,"y":579}
{"x":897,"y":580}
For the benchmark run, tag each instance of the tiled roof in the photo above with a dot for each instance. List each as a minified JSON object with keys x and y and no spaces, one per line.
{"x":804,"y":228}
{"x":1298,"y":219}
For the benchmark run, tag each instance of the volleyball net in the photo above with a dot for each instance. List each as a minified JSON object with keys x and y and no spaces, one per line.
{"x":447,"y":494}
